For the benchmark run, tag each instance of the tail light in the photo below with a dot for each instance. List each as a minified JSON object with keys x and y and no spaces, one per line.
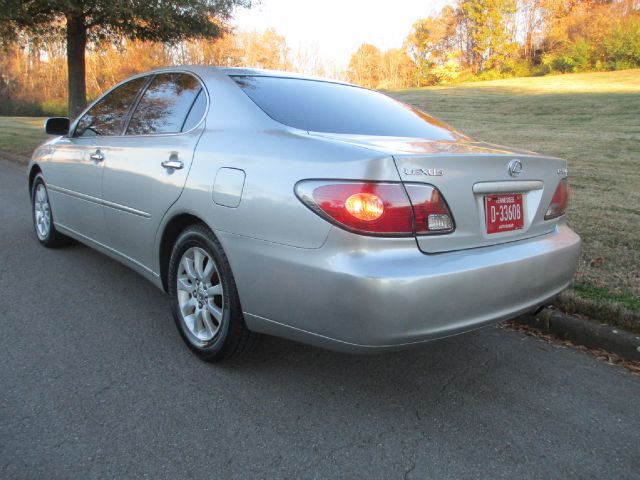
{"x":381,"y":209}
{"x":559,"y":201}
{"x":431,"y":212}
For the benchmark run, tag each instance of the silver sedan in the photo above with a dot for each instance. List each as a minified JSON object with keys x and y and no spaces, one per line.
{"x":266,"y":202}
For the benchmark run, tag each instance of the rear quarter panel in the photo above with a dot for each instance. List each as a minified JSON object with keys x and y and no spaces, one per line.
{"x":273,"y":162}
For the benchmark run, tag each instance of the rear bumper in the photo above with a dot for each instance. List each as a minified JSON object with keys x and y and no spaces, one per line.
{"x":362,"y":294}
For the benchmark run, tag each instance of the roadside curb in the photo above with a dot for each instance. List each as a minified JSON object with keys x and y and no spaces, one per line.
{"x":585,"y":332}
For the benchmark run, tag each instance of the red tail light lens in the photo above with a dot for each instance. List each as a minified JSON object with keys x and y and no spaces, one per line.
{"x":560,"y":200}
{"x":378,"y":208}
{"x":388,"y":200}
{"x":431,"y":212}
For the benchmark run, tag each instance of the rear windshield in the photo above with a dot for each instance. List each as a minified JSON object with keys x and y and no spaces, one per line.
{"x":319,"y":106}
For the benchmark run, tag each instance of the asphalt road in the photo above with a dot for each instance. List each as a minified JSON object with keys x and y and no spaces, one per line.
{"x":96,"y":383}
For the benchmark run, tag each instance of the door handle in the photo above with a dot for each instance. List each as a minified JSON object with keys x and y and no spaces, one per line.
{"x":97,"y":156}
{"x":173,"y":163}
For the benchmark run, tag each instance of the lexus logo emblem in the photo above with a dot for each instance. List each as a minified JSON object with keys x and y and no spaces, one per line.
{"x":515,"y":167}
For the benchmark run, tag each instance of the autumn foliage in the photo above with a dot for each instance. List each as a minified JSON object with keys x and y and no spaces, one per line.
{"x":468,"y":40}
{"x":33,"y":76}
{"x":487,"y":39}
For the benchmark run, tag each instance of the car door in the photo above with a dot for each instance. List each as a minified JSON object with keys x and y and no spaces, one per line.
{"x":146,"y":168}
{"x":74,"y":175}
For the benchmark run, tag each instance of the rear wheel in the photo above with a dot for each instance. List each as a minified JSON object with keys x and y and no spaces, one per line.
{"x":204,"y":298}
{"x":43,"y":217}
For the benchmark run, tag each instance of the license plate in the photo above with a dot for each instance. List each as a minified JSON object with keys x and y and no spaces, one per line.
{"x":504,"y":212}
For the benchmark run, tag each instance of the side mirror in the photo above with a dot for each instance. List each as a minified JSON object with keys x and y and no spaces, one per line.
{"x":57,"y":126}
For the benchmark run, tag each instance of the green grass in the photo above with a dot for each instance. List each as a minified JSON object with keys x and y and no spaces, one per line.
{"x":597,"y":293}
{"x":20,"y":135}
{"x":592,"y":120}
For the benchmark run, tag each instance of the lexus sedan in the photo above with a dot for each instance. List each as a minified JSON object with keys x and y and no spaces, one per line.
{"x":271,"y":203}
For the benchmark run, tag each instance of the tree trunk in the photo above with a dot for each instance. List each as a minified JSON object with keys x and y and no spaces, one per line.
{"x":76,"y":44}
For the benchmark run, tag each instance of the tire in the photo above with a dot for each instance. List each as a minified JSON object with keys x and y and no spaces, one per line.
{"x":204,"y":298}
{"x":42,"y":216}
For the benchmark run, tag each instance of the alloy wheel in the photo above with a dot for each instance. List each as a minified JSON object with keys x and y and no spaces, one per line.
{"x":42,"y":212}
{"x":200,"y":294}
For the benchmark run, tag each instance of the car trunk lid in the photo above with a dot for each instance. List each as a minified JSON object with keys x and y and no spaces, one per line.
{"x":476,"y":185}
{"x":470,"y":174}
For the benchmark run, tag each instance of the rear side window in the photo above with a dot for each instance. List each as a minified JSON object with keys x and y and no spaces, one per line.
{"x":320,"y":106}
{"x":108,"y":115}
{"x":165,"y":104}
{"x":197,"y":111}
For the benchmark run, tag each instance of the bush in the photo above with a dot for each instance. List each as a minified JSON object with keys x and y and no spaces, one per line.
{"x":54,"y":108}
{"x":446,"y":73}
{"x":516,"y":68}
{"x":511,"y":68}
{"x":21,"y":108}
{"x":541,"y":70}
{"x":489,"y":75}
{"x":577,"y":58}
{"x":619,"y":50}
{"x":465,"y":76}
{"x":621,"y":47}
{"x":12,"y":107}
{"x":564,"y":64}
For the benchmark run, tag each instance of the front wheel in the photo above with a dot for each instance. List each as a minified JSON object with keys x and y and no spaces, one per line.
{"x":43,"y":217}
{"x":204,"y":298}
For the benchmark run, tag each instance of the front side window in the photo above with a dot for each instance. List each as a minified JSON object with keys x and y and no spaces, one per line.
{"x":165,"y":104}
{"x":107,"y":117}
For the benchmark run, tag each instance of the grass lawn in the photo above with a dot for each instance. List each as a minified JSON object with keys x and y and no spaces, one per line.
{"x":20,"y":135}
{"x":593,"y":121}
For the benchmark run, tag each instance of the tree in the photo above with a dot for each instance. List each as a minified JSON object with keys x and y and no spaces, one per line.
{"x":432,"y":40}
{"x":265,"y":50}
{"x":589,"y":34}
{"x":621,"y":48}
{"x":397,"y":70}
{"x":365,"y":65}
{"x":488,"y":27}
{"x":224,"y":51}
{"x":530,"y":14}
{"x":433,"y":37}
{"x":81,"y":22}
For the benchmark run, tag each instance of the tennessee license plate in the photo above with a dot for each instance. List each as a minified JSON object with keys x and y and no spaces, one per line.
{"x":504,"y":212}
